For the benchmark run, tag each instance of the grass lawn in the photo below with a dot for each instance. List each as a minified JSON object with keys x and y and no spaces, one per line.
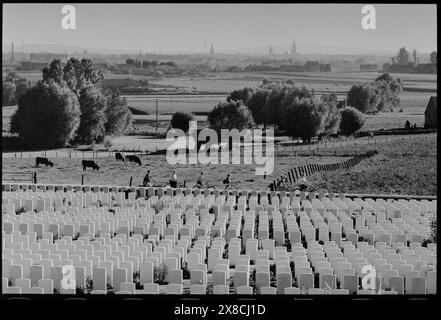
{"x":407,"y":166}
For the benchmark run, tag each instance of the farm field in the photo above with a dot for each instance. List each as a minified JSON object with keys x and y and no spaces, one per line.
{"x":69,"y":171}
{"x":226,"y":82}
{"x":321,"y":81}
{"x":404,"y":166}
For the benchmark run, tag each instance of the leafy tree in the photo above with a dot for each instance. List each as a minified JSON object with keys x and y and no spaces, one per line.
{"x":21,"y":88}
{"x":257,"y":104}
{"x":11,"y":77}
{"x":81,"y":73}
{"x":76,"y":74}
{"x":8,"y":94}
{"x":288,"y":97}
{"x":93,"y":118}
{"x":303,"y":118}
{"x":402,"y":56}
{"x":387,"y":89}
{"x":117,"y":112}
{"x":329,"y":108}
{"x":230,"y":115}
{"x":243,"y":94}
{"x":407,"y":125}
{"x":180,"y":120}
{"x":352,"y":120}
{"x":433,"y":58}
{"x":274,"y":105}
{"x":362,"y":97}
{"x":48,"y":115}
{"x":54,"y":72}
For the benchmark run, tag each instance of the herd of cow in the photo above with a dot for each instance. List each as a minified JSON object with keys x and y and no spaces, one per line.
{"x":90,"y":163}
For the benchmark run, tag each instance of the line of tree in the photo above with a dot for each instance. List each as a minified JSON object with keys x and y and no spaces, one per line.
{"x":297,"y":111}
{"x":69,"y":106}
{"x":380,"y":95}
{"x":146,"y":63}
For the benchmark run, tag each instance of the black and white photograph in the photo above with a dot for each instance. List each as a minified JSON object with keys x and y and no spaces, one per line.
{"x":225,"y":150}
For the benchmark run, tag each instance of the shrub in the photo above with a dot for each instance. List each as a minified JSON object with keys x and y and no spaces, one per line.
{"x":352,"y":120}
{"x":160,"y":274}
{"x":180,"y":120}
{"x":433,"y":229}
{"x":108,"y":143}
{"x":47,"y":116}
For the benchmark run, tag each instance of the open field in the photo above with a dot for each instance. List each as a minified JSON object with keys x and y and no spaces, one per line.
{"x":69,"y":171}
{"x":407,"y":166}
{"x":403,"y":166}
{"x":226,"y":82}
{"x":320,"y":81}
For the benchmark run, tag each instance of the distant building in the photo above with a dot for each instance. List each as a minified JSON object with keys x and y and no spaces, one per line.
{"x":47,"y":56}
{"x":211,"y":51}
{"x":270,"y":51}
{"x":312,"y":66}
{"x":430,"y":115}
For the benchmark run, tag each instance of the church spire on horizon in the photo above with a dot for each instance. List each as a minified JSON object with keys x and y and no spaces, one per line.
{"x":293,"y":50}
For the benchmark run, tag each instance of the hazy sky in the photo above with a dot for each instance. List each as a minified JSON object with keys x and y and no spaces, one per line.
{"x":180,"y":27}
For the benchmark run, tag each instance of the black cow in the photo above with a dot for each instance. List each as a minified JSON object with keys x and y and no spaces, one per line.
{"x":133,"y":159}
{"x":90,"y":164}
{"x":41,"y":160}
{"x":119,"y":157}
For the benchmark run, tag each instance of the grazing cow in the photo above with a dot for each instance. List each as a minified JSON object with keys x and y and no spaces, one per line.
{"x":90,"y":164}
{"x":45,"y":161}
{"x":119,"y":157}
{"x":133,"y":159}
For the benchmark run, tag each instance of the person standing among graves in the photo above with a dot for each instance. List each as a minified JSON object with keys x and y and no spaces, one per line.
{"x":303,"y":183}
{"x":148,"y":179}
{"x":174,"y":179}
{"x":200,"y":183}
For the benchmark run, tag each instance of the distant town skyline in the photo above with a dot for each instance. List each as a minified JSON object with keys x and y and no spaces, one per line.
{"x":193,"y":28}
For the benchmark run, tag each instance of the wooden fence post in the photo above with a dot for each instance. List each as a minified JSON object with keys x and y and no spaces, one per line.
{"x":82,"y":179}
{"x":130,"y":183}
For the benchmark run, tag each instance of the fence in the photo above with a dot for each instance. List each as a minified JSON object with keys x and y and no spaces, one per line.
{"x":13,"y":176}
{"x":72,"y":154}
{"x":306,"y":170}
